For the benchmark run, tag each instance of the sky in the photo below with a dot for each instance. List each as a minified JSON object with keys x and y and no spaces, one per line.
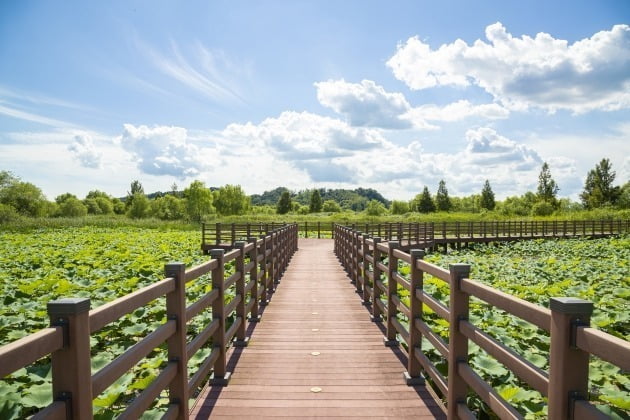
{"x":330,"y":94}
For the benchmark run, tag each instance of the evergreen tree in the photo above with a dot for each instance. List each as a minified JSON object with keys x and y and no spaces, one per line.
{"x":442,"y":201}
{"x":487,"y":197}
{"x":316,"y":202}
{"x":598,"y":188}
{"x":547,"y":187}
{"x":284,"y":203}
{"x":426,"y":204}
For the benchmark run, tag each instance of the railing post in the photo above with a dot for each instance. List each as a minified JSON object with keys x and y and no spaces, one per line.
{"x":71,"y":376}
{"x":217,"y":233}
{"x":376,"y":290}
{"x":413,"y":375}
{"x":392,"y":265}
{"x":568,"y":365}
{"x":253,"y":276}
{"x":366,"y":269}
{"x":176,"y":310}
{"x":241,"y":307}
{"x":221,"y":376}
{"x":265,"y":278}
{"x":457,"y":343}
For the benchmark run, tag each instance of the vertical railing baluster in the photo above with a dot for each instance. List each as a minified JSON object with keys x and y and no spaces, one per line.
{"x":376,"y":290}
{"x":220,"y":376}
{"x":392,"y":290}
{"x":240,"y":339}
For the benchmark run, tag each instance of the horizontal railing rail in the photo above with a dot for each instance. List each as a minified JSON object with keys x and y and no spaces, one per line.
{"x":426,"y":234}
{"x":258,"y":265}
{"x":373,"y":266}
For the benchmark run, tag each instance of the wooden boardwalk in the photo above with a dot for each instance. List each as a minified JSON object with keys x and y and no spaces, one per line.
{"x":316,"y":353}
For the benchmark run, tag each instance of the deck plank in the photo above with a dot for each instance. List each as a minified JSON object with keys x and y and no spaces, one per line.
{"x":315,"y":309}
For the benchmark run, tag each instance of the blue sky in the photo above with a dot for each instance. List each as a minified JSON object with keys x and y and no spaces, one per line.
{"x":389,"y":95}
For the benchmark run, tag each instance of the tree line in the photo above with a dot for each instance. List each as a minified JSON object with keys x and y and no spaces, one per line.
{"x":197,"y":202}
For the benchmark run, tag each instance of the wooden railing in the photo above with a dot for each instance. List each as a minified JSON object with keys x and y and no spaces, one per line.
{"x":258,"y":264}
{"x":373,"y":266}
{"x":425,"y":233}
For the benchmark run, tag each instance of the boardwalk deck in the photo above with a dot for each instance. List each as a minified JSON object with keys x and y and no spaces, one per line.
{"x":315,"y":310}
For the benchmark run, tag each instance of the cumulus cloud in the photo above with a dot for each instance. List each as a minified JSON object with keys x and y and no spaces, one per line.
{"x":367,"y":104}
{"x":456,"y":111}
{"x":364,"y":104}
{"x":486,"y":147}
{"x":162,"y":150}
{"x":302,"y":136}
{"x":85,"y":152}
{"x":542,"y":71}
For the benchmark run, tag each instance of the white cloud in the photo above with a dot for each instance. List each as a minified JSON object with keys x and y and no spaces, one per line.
{"x":544,"y":72}
{"x":85,"y":152}
{"x":13,"y":112}
{"x":364,"y":104}
{"x":456,"y":111}
{"x":163,"y":150}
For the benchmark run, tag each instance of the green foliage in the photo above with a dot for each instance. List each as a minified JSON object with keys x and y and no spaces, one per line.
{"x":139,"y":207}
{"x":595,"y":270}
{"x":487,"y":197}
{"x":423,"y":203}
{"x":331,"y":206}
{"x":315,"y":205}
{"x":599,"y":190}
{"x":284,"y":203}
{"x":72,"y":207}
{"x":375,"y":208}
{"x":399,"y":207}
{"x":168,"y":207}
{"x":547,"y":187}
{"x":24,"y":197}
{"x":442,"y":201}
{"x":100,"y":263}
{"x":230,"y":200}
{"x":542,"y":208}
{"x":63,"y":197}
{"x":198,"y":201}
{"x":7,"y":214}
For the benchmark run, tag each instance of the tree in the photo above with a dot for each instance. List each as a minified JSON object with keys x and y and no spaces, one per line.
{"x":168,"y":207}
{"x":399,"y":207}
{"x":231,"y":199}
{"x":598,"y":188}
{"x":423,"y":202}
{"x":139,"y":207}
{"x":316,"y":202}
{"x":63,"y":197}
{"x":442,"y":201}
{"x":72,"y":207}
{"x":284,"y":203}
{"x":487,"y":197}
{"x":375,"y":208}
{"x":331,"y":206}
{"x":25,"y":198}
{"x":136,"y":188}
{"x":198,"y":201}
{"x":547,"y":187}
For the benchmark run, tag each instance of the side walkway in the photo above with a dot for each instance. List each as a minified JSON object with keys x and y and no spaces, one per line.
{"x":316,"y":353}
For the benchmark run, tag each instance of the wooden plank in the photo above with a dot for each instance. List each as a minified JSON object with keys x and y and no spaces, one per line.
{"x":315,"y":334}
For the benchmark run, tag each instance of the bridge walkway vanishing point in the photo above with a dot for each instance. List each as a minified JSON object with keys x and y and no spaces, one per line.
{"x":316,"y":353}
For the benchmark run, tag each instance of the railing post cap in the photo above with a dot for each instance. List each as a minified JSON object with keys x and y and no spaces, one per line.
{"x":68,"y":306}
{"x":393,"y":244}
{"x":416,"y":253}
{"x":461,"y":269}
{"x":252,"y":239}
{"x":240,"y":244}
{"x":173,"y":268}
{"x":377,"y":239}
{"x":217,"y":253}
{"x":571,"y":306}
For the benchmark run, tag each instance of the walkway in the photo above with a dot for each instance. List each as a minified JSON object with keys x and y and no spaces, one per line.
{"x":316,"y":353}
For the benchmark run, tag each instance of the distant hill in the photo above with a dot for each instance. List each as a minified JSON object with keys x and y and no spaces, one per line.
{"x":356,"y":199}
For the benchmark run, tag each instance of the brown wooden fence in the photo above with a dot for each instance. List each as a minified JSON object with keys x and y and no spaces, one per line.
{"x":373,"y":266}
{"x":258,"y":264}
{"x":425,"y":234}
